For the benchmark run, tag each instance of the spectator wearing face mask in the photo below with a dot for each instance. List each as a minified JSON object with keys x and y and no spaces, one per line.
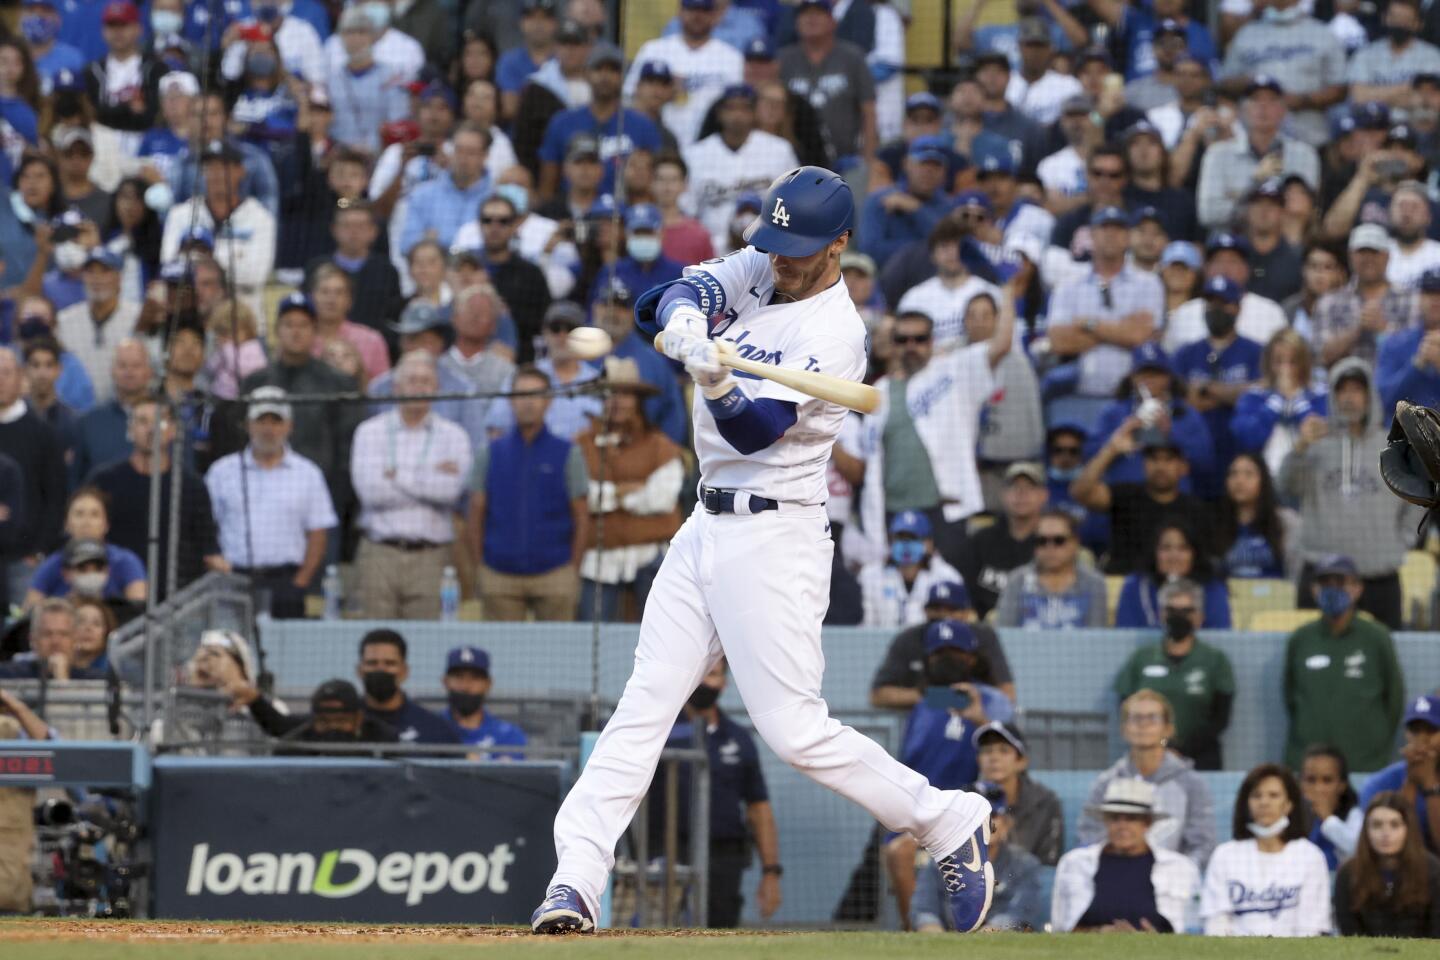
{"x":467,"y":684}
{"x":894,"y":591}
{"x":644,"y":265}
{"x":363,"y":91}
{"x":1342,"y":658}
{"x":88,"y":566}
{"x":337,"y":715}
{"x":398,"y":55}
{"x":40,"y":25}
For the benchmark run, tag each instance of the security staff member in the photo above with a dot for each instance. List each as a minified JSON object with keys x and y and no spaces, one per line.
{"x":740,"y":811}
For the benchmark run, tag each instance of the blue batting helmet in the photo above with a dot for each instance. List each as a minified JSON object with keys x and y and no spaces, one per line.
{"x":802,"y":212}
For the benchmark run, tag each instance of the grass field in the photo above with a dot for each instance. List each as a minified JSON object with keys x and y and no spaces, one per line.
{"x":89,"y":940}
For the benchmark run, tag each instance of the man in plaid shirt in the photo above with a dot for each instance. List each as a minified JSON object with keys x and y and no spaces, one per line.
{"x":1349,"y":322}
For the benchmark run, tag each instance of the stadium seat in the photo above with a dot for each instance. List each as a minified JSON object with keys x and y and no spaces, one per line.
{"x":1281,"y":621}
{"x":1249,"y":598}
{"x":1417,"y":584}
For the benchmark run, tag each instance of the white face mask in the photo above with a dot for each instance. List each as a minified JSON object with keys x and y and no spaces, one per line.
{"x":69,"y":256}
{"x":1265,"y":833}
{"x":165,"y":22}
{"x":1289,"y":15}
{"x":89,"y":584}
{"x":644,"y":248}
{"x":379,"y":14}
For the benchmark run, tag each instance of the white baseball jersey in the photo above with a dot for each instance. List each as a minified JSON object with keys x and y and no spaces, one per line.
{"x":1252,"y":894}
{"x":823,"y":333}
{"x":945,"y":306}
{"x":944,"y":400}
{"x":1405,"y":268}
{"x":719,"y":175}
{"x":701,"y":73}
{"x":885,"y":600}
{"x":1260,"y":319}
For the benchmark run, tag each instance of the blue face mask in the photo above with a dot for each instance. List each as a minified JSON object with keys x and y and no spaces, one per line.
{"x":643,"y":247}
{"x":166,"y":22}
{"x":1062,"y":474}
{"x":38,"y":31}
{"x":1333,"y":601}
{"x":907,"y":552}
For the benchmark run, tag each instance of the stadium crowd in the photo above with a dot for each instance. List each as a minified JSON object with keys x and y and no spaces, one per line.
{"x":1142,"y":287}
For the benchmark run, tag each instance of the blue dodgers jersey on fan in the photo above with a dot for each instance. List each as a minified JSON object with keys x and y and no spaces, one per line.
{"x":1043,"y":611}
{"x":492,"y":732}
{"x":1250,"y":556}
{"x":639,"y":133}
{"x":939,"y":744}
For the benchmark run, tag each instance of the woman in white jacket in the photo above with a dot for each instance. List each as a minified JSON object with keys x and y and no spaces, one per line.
{"x":1123,"y":882}
{"x":1270,"y":881}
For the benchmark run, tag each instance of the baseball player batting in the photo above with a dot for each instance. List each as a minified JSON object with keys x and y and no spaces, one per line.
{"x":748,"y":575}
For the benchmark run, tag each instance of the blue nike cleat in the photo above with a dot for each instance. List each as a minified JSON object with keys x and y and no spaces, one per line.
{"x":564,"y":912}
{"x":969,"y":880}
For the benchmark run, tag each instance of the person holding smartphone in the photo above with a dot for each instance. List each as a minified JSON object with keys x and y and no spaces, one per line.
{"x":939,"y":740}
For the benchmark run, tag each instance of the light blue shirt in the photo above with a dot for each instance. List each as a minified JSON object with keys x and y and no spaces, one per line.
{"x":567,"y":415}
{"x":285,"y":503}
{"x":1103,"y":367}
{"x":439,"y":205}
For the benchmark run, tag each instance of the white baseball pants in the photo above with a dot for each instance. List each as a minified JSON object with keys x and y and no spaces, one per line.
{"x":754,"y":589}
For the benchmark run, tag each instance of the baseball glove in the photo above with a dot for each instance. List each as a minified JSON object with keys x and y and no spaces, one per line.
{"x":1410,"y":462}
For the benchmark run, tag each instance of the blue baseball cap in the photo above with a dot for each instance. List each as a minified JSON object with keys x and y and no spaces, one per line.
{"x":1000,"y":162}
{"x":1110,"y":216}
{"x":603,"y":208}
{"x":1169,"y":25}
{"x":759,"y":48}
{"x":1223,"y":288}
{"x":1181,"y":251}
{"x":105,"y":257}
{"x":912,"y":522}
{"x":950,"y":633}
{"x":437,"y":90}
{"x":933,"y":148}
{"x":741,"y":90}
{"x":924,"y":100}
{"x":973,"y":198}
{"x":1144,"y":213}
{"x":1225,"y":240}
{"x":825,"y":5}
{"x":1342,"y":126}
{"x":1336,"y":564}
{"x":1264,"y":81}
{"x":419,"y":316}
{"x":1006,"y":731}
{"x":1150,"y":356}
{"x":66,"y":80}
{"x":1430,"y":281}
{"x":467,"y":658}
{"x":174,"y":271}
{"x":1423,"y":710}
{"x":656,"y":70}
{"x":295,"y":301}
{"x":698,"y":4}
{"x":1371,"y":116}
{"x":950,"y":594}
{"x":644,"y":216}
{"x":198,"y":233}
{"x":1143,"y":128}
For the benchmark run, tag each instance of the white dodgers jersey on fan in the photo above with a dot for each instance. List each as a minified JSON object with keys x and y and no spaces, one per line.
{"x":823,"y":333}
{"x":719,"y":175}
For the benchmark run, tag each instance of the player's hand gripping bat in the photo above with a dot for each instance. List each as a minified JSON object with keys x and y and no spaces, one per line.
{"x":860,"y":397}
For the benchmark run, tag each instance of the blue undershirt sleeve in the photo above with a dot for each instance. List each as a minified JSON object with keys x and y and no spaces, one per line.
{"x":751,"y":425}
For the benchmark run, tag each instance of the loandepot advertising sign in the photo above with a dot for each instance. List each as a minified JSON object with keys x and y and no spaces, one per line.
{"x":384,"y":841}
{"x":337,"y":874}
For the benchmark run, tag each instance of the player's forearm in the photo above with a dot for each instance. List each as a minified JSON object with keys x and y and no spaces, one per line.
{"x":751,"y":426}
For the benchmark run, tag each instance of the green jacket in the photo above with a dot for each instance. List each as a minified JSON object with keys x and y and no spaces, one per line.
{"x":1345,"y":690}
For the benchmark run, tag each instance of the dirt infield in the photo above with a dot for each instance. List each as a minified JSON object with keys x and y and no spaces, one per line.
{"x":186,"y":931}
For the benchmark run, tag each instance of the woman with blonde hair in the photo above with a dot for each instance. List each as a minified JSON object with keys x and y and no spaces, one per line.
{"x":1147,"y":722}
{"x":238,"y":350}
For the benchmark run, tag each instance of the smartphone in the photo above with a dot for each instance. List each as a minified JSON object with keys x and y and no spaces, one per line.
{"x":425,"y":150}
{"x":946,"y":698}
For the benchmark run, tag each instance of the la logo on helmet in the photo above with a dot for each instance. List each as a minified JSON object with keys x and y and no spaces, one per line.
{"x":780,"y":215}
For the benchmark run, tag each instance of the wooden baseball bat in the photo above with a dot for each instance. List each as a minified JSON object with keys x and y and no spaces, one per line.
{"x":860,"y":397}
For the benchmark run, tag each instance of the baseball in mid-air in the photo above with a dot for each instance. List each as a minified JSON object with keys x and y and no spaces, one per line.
{"x":588,"y":343}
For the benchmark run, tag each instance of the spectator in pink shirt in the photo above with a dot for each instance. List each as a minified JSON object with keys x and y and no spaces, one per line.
{"x":237,"y":352}
{"x":332,"y":295}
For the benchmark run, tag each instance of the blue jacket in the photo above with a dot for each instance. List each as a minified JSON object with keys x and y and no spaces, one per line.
{"x":1139,"y":604}
{"x":1187,"y":428}
{"x":1258,"y":412}
{"x":636,"y":275}
{"x":1399,"y":378}
{"x":882,"y":233}
{"x":938,"y":743}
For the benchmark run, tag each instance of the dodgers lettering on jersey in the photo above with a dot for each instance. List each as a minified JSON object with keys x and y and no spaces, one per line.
{"x":822,"y":333}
